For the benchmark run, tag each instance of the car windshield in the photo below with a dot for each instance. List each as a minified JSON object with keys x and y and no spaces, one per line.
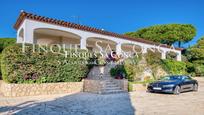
{"x":172,"y":78}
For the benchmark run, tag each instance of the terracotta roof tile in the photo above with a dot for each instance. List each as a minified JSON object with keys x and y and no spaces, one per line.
{"x":25,"y":15}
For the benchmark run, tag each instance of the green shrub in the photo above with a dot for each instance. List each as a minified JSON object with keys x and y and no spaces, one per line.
{"x":199,"y":70}
{"x":174,"y":67}
{"x":131,"y":68}
{"x":153,"y":58}
{"x":40,"y":67}
{"x":4,"y":42}
{"x":130,"y":86}
{"x":119,"y":70}
{"x":92,"y":62}
{"x":190,"y":68}
{"x":171,"y":55}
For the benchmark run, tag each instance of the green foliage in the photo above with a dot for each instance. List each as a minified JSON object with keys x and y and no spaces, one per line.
{"x":92,"y":61}
{"x":101,"y":61}
{"x":167,"y":34}
{"x":153,"y":58}
{"x":190,"y":67}
{"x":40,"y":67}
{"x":200,"y":43}
{"x":154,"y":62}
{"x":131,"y":68}
{"x":135,"y":67}
{"x":130,"y":86}
{"x":171,"y":55}
{"x":4,"y":42}
{"x":199,"y":69}
{"x":118,"y":70}
{"x":195,"y":56}
{"x":174,"y":67}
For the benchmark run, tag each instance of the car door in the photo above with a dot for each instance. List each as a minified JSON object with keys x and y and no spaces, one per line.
{"x":187,"y":83}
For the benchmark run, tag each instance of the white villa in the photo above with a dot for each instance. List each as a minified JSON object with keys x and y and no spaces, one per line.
{"x":37,"y":29}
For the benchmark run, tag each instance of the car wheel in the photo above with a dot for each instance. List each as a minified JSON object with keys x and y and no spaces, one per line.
{"x":150,"y":91}
{"x":177,"y":90}
{"x":195,"y":87}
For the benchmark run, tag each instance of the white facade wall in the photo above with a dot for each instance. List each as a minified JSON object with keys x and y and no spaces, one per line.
{"x":30,"y":25}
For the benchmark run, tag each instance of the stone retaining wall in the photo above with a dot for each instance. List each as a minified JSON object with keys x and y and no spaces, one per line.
{"x":123,"y":83}
{"x":93,"y":86}
{"x":14,"y":90}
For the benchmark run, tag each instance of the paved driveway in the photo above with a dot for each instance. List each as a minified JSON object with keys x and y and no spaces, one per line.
{"x":140,"y":103}
{"x":75,"y":104}
{"x":189,"y":103}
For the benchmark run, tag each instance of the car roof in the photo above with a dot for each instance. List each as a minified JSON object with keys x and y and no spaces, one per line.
{"x":178,"y":76}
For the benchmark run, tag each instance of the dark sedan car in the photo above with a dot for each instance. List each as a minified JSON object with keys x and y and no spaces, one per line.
{"x":174,"y":84}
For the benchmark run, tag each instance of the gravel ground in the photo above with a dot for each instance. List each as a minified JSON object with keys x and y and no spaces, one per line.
{"x":140,"y":103}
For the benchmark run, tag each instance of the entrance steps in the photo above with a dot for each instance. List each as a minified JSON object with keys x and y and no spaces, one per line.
{"x":110,"y":87}
{"x":100,"y":81}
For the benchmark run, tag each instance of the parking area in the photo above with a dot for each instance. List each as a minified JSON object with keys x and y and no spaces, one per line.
{"x":189,"y":103}
{"x":139,"y":103}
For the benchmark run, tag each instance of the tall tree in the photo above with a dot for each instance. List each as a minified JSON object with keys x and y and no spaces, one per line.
{"x":166,"y":34}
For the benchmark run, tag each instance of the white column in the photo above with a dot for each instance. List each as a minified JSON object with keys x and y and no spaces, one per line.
{"x":144,"y":50}
{"x":28,"y":35}
{"x":83,"y":43}
{"x":163,"y":55}
{"x":178,"y":57}
{"x":118,"y":48}
{"x":19,"y":39}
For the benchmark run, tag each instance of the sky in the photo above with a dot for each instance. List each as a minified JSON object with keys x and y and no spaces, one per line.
{"x":118,"y":16}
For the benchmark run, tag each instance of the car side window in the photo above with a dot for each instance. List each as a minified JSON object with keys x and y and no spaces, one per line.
{"x":186,"y":78}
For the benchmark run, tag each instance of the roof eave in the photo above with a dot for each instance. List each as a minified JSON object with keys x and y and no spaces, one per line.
{"x":23,"y":16}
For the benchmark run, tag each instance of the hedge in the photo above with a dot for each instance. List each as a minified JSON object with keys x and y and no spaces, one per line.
{"x":4,"y":42}
{"x":174,"y":67}
{"x":40,"y":67}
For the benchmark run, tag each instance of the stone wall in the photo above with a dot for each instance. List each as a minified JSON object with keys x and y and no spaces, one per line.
{"x":93,"y":86}
{"x":123,"y":83}
{"x":87,"y":85}
{"x":14,"y":90}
